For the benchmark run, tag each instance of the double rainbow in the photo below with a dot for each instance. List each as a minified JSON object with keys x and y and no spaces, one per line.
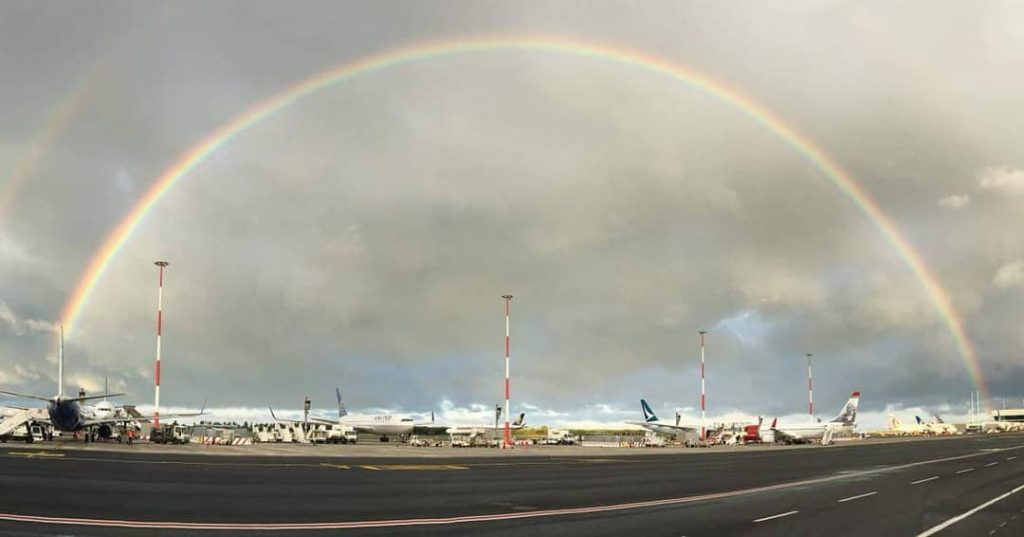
{"x":842,"y":179}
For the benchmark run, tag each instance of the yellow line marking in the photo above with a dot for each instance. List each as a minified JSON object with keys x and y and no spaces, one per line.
{"x":34,"y":454}
{"x":413,"y":467}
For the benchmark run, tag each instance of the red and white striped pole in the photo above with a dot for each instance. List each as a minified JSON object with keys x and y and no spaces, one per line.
{"x":703,"y":394}
{"x":508,"y":360}
{"x":810,"y":387}
{"x":159,"y":330}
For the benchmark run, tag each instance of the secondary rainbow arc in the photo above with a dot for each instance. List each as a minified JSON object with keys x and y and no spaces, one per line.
{"x":814,"y":154}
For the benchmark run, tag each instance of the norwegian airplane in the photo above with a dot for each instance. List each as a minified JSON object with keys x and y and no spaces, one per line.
{"x":823,"y":431}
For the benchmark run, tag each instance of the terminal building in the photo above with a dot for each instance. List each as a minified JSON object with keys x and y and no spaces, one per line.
{"x":1009,"y":414}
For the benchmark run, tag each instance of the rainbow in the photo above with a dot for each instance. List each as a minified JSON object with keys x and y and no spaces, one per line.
{"x":842,"y":179}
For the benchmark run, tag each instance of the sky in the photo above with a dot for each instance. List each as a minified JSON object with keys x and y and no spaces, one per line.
{"x":362,"y":237}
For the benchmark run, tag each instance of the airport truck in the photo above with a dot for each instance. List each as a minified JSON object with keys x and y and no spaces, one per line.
{"x":170,"y":434}
{"x":26,"y":432}
{"x":652,"y":439}
{"x":560,"y":437}
{"x":340,"y":434}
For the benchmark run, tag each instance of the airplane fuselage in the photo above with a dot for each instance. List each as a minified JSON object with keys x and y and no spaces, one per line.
{"x":383,"y":424}
{"x":66,"y":416}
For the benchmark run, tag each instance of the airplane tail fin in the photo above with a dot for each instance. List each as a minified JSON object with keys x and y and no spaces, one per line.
{"x":918,"y":418}
{"x":648,"y":413}
{"x":519,"y":421}
{"x":775,"y":421}
{"x":60,"y":366}
{"x":849,"y":414}
{"x":938,"y":419}
{"x":341,"y":405}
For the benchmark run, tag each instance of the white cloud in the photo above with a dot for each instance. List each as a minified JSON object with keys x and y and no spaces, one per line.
{"x":1003,"y":178}
{"x":22,"y":326}
{"x":1009,"y":275}
{"x":954,"y":201}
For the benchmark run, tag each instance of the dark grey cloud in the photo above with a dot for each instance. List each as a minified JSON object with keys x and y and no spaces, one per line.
{"x":363,"y":236}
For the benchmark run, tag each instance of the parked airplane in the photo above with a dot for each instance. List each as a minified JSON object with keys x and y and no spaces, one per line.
{"x":652,"y":423}
{"x":937,"y":426}
{"x":383,"y":425}
{"x":489,"y":430}
{"x":823,"y":431}
{"x":897,"y":428}
{"x":68,"y":414}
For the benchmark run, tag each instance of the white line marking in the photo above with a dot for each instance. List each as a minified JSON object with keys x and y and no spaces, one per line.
{"x":780,"y":515}
{"x":1011,"y":458}
{"x":991,"y":464}
{"x":935,"y":529}
{"x":857,"y":497}
{"x":925,"y":480}
{"x":965,"y":470}
{"x":405,"y":522}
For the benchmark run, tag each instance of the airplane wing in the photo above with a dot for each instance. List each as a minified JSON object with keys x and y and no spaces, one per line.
{"x":782,"y":435}
{"x":312,"y":419}
{"x":660,"y":427}
{"x":26,"y":396}
{"x":17,"y":407}
{"x":140,"y":418}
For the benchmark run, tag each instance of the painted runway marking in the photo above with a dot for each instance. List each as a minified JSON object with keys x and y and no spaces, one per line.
{"x":780,"y":515}
{"x":935,"y":529}
{"x":34,"y":454}
{"x":965,"y":470}
{"x":412,"y":467}
{"x":925,"y":480}
{"x":338,"y":466}
{"x":1011,"y":458}
{"x":857,"y":497}
{"x":441,"y":521}
{"x":991,"y":464}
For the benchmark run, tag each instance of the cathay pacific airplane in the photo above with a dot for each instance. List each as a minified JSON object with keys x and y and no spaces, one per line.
{"x":652,"y":423}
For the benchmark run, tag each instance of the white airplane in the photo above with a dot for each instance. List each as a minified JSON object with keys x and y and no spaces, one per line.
{"x":383,"y":425}
{"x":899,"y":429}
{"x":68,"y":414}
{"x":652,"y":423}
{"x":805,"y":432}
{"x":940,"y":427}
{"x":477,"y":429}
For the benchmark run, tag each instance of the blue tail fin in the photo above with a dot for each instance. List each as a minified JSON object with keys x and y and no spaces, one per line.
{"x":648,"y":413}
{"x":341,"y":406}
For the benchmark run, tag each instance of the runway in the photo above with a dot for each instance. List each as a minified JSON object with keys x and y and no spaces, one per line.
{"x":902,"y":488}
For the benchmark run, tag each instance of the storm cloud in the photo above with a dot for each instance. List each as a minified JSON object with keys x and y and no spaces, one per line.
{"x":363,"y":236}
